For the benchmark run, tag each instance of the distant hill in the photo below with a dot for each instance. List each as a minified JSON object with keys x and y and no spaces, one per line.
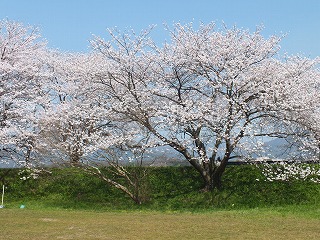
{"x":278,"y":148}
{"x":167,"y":156}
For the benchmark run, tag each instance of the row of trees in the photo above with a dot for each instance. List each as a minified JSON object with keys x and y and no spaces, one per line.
{"x":208,"y":94}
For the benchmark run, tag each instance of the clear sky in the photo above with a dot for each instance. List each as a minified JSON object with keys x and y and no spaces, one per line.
{"x":69,"y":24}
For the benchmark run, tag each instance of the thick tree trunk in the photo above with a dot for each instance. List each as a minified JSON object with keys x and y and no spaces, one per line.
{"x":212,"y":181}
{"x":216,"y":179}
{"x":213,"y":176}
{"x":208,"y":183}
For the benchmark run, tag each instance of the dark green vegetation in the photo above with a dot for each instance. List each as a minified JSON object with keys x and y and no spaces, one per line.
{"x":165,"y":189}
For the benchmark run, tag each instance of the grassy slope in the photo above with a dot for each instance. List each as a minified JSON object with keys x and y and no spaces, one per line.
{"x":169,"y":189}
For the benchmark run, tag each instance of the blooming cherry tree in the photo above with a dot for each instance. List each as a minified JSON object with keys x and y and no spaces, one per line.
{"x":79,"y":129}
{"x":21,"y":95}
{"x":208,"y":94}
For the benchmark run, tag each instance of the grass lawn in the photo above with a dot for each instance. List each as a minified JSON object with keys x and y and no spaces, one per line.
{"x":16,"y":224}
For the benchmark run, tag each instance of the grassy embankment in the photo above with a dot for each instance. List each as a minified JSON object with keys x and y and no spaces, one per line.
{"x":165,"y":189}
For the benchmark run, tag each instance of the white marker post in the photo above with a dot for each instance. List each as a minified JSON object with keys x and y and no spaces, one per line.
{"x":2,"y":206}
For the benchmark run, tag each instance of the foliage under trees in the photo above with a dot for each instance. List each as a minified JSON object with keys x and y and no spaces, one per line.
{"x":168,"y":189}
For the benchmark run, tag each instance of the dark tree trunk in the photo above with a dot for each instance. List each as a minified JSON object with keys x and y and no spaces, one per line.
{"x":216,"y":179}
{"x":212,"y":175}
{"x":212,"y":181}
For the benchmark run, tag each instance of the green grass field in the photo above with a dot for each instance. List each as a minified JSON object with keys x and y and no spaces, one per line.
{"x":281,"y":223}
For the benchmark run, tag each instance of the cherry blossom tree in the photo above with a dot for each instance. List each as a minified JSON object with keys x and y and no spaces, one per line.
{"x":301,"y":107}
{"x":78,"y":130}
{"x":209,"y":94}
{"x":21,"y":74}
{"x":76,"y":123}
{"x":306,"y":144}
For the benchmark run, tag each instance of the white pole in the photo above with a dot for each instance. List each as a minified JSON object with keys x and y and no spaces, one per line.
{"x":2,"y":196}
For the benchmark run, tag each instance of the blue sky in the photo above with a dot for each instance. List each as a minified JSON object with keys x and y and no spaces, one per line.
{"x":69,"y":24}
